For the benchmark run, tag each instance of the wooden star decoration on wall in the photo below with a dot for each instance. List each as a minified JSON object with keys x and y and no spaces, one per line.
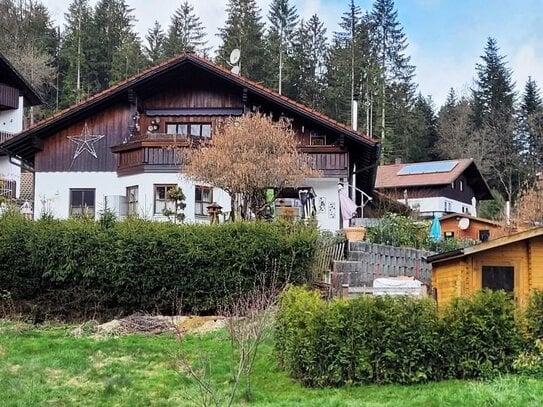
{"x":85,"y":142}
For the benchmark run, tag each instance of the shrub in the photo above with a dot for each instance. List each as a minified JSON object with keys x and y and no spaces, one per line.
{"x":394,"y":339}
{"x":75,"y":268}
{"x":534,"y":316}
{"x":480,"y":337}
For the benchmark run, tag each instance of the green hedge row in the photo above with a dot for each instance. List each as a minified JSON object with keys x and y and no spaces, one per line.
{"x":394,"y":339}
{"x":78,"y":269}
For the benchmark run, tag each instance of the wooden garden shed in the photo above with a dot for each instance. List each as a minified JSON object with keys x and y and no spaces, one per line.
{"x":513,"y":263}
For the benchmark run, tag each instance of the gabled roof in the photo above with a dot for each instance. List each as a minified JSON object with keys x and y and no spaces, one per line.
{"x":10,"y":76}
{"x":102,"y":98}
{"x":395,"y":176}
{"x":481,"y":247}
{"x":474,"y":218}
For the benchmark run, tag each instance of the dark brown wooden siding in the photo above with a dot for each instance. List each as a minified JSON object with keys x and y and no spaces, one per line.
{"x":58,"y":152}
{"x":9,"y":97}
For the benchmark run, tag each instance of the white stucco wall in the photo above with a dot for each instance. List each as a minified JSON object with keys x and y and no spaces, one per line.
{"x":52,"y":191}
{"x":11,"y":121}
{"x":428,"y":206}
{"x":327,"y":202}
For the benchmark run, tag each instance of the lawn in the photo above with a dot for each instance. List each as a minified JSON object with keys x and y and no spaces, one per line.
{"x":49,"y":366}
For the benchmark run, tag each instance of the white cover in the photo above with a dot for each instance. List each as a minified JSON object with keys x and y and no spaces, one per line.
{"x":398,"y":286}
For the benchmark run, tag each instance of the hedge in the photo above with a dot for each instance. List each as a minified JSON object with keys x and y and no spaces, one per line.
{"x":77,"y":269}
{"x":394,"y":339}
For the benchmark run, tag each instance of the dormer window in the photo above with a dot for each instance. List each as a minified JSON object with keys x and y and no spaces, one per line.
{"x":317,"y":139}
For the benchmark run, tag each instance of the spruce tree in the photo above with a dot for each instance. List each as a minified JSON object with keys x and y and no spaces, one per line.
{"x":185,"y":33}
{"x":309,"y":62}
{"x":244,"y":30}
{"x":283,"y":19}
{"x":154,"y":50}
{"x":74,"y":53}
{"x":493,"y":118}
{"x":530,"y":128}
{"x":396,"y":73}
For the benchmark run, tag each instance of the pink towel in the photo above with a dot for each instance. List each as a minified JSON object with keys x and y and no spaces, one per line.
{"x":347,"y":206}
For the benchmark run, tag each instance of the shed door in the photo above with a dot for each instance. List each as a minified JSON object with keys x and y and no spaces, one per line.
{"x":499,"y":277}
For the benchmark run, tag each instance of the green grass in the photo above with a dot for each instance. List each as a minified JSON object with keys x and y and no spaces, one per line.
{"x":49,"y":366}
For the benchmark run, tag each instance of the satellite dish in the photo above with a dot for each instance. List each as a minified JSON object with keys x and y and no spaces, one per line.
{"x":463,"y":223}
{"x":234,"y":56}
{"x":235,"y":70}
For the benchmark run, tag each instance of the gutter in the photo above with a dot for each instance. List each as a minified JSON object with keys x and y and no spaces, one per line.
{"x":445,"y":255}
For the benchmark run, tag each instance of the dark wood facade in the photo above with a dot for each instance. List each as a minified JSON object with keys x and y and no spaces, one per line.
{"x":133,"y":119}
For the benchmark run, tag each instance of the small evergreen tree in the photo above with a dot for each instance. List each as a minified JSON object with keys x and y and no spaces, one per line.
{"x":185,"y":33}
{"x":154,"y":50}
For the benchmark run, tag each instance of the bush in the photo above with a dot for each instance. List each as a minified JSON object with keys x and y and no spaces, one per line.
{"x":480,"y":337}
{"x":78,"y":268}
{"x":394,"y":339}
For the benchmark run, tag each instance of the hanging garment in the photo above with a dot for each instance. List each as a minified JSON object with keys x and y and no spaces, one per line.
{"x":347,"y":206}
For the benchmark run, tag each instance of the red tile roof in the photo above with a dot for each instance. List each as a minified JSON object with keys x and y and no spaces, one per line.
{"x":387,"y":176}
{"x":202,"y":62}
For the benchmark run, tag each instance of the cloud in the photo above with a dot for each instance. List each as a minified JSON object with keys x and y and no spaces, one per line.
{"x":527,"y":61}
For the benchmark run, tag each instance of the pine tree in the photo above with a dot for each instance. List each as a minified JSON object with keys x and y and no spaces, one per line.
{"x":421,"y":136}
{"x":244,"y":30}
{"x":185,"y":33}
{"x":309,"y":62}
{"x":116,"y":51}
{"x":154,"y":50}
{"x":493,"y":117}
{"x":530,"y":128}
{"x":396,"y":73}
{"x":74,"y":53}
{"x":283,"y":19}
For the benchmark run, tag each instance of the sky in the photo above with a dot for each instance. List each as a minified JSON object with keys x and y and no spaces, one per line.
{"x":446,"y":37}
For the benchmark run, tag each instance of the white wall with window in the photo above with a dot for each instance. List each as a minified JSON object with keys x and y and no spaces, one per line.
{"x":438,"y":205}
{"x":142,"y":194}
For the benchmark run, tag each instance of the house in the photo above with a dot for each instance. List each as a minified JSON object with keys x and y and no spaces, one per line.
{"x":512,"y":263}
{"x":435,"y":187}
{"x":465,"y":226}
{"x":120,"y":147}
{"x":15,"y":95}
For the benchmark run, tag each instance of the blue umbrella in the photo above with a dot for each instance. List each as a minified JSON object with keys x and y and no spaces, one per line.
{"x":435,"y":229}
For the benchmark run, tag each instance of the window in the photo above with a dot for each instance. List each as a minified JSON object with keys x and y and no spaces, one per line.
{"x":448,"y":235}
{"x":161,"y":198}
{"x":461,"y":185}
{"x":192,"y":129}
{"x":447,"y":206}
{"x":317,"y":139}
{"x":202,"y":199}
{"x":484,"y":235}
{"x":132,"y":198}
{"x":82,"y":202}
{"x":452,"y":185}
{"x":498,"y":278}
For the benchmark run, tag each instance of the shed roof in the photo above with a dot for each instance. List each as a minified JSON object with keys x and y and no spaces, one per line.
{"x":481,"y":247}
{"x":474,"y":218}
{"x":395,"y":176}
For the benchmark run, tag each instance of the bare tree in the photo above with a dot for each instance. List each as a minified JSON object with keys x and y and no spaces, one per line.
{"x":249,"y":154}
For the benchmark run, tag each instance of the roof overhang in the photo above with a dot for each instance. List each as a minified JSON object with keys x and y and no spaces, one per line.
{"x":12,"y":77}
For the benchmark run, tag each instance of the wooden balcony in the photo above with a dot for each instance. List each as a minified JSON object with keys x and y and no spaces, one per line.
{"x":9,"y":97}
{"x":154,"y":152}
{"x":4,"y":136}
{"x":331,"y":161}
{"x":164,"y":153}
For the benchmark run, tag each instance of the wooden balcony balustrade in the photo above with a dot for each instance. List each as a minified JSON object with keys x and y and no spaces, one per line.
{"x":164,"y":153}
{"x":5,"y":136}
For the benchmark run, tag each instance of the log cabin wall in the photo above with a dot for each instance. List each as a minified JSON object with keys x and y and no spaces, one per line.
{"x":58,"y":150}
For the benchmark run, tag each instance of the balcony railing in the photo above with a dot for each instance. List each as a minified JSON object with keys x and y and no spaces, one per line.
{"x":5,"y":136}
{"x":8,"y":188}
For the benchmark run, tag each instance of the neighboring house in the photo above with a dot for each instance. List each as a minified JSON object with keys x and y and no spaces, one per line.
{"x":512,"y":263}
{"x":435,"y":187}
{"x":122,"y":145}
{"x":464,"y":226}
{"x":15,"y":94}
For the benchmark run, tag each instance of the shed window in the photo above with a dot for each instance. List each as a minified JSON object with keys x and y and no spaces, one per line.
{"x":82,"y":202}
{"x":484,"y":235}
{"x":499,"y":278}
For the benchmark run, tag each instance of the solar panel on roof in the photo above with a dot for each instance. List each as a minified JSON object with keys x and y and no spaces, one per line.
{"x":428,"y":168}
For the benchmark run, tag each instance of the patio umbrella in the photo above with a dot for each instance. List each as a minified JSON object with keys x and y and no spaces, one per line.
{"x":435,"y":229}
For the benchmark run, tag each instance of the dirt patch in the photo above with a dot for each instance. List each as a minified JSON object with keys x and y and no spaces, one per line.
{"x":148,"y":324}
